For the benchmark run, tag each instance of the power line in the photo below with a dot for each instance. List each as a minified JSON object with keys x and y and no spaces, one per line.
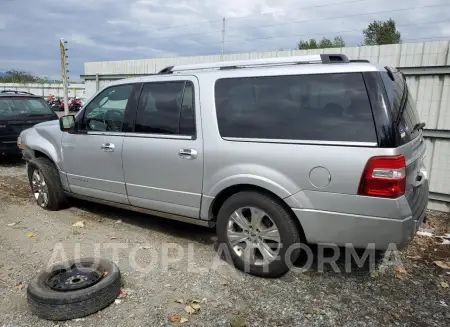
{"x":431,"y":38}
{"x":347,"y":16}
{"x":181,"y":38}
{"x":241,"y":17}
{"x":288,"y":23}
{"x":298,"y":9}
{"x":327,"y":32}
{"x":324,"y":33}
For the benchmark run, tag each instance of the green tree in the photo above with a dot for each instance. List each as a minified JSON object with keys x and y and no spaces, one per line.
{"x":325,"y":43}
{"x":379,"y":32}
{"x":17,"y":76}
{"x":338,"y":42}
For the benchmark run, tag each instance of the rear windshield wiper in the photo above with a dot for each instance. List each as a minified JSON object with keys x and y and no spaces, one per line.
{"x":403,"y":101}
{"x":418,"y":127}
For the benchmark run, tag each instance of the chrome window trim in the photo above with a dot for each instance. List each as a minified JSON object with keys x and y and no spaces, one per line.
{"x":160,"y":136}
{"x":307,"y":142}
{"x":144,"y":135}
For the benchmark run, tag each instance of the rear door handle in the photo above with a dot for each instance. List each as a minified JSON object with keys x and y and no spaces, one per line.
{"x":108,"y":147}
{"x":188,"y":154}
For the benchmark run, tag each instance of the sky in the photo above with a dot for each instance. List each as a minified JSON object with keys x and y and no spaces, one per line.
{"x":108,"y":30}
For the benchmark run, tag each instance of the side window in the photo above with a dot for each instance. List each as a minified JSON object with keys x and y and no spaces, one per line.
{"x":166,"y":108}
{"x":319,"y":107}
{"x":107,"y":111}
{"x":187,"y":115}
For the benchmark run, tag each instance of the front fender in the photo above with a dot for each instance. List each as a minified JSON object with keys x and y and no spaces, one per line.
{"x":42,"y":141}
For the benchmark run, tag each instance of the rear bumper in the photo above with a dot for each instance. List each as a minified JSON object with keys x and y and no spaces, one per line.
{"x":357,"y":230}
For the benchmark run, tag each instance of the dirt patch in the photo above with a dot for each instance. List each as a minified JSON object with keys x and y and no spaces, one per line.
{"x":431,"y":248}
{"x":15,"y":187}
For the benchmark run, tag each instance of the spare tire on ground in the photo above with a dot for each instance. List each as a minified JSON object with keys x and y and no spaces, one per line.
{"x":74,"y":289}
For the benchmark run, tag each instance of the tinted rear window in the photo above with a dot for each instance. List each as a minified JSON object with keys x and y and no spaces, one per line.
{"x":17,"y":106}
{"x":404,"y":113}
{"x":322,"y":107}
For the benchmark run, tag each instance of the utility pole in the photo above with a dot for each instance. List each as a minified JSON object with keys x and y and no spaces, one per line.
{"x":223,"y":38}
{"x":62,"y":46}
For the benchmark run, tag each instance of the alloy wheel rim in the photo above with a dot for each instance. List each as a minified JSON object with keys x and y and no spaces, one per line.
{"x":253,"y":236}
{"x":39,"y":187}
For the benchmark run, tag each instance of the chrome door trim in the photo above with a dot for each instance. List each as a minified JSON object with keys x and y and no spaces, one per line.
{"x":143,"y":135}
{"x":93,"y":178}
{"x":106,"y":133}
{"x":161,"y":189}
{"x":160,"y":136}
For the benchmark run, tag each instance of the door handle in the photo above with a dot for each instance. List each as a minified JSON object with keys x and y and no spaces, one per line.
{"x":188,"y":154}
{"x":108,"y":147}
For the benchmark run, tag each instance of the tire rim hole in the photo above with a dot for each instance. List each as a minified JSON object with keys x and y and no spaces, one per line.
{"x":74,"y":278}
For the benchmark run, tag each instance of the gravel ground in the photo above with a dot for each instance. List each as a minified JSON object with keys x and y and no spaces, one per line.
{"x":388,"y":296}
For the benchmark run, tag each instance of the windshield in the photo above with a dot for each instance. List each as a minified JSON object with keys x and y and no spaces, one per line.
{"x":24,"y":107}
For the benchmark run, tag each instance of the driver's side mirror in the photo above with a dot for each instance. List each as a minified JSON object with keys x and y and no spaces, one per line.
{"x":67,"y":124}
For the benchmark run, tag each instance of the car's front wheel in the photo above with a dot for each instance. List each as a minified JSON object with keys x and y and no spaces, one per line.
{"x":259,"y":233}
{"x":46,"y":184}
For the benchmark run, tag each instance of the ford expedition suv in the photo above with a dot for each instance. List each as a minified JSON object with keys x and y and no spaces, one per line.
{"x":272,"y":152}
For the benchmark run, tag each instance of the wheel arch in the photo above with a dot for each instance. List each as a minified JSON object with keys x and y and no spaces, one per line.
{"x":31,"y":154}
{"x":40,"y":144}
{"x":226,"y":193}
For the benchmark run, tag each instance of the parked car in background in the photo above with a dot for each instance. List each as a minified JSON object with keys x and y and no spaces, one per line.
{"x":19,"y":111}
{"x":273,"y":152}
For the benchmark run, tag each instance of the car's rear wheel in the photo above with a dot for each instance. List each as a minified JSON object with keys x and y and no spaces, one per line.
{"x":46,"y":184}
{"x":259,"y":234}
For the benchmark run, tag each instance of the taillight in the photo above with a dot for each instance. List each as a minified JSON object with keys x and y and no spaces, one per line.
{"x":384,"y":177}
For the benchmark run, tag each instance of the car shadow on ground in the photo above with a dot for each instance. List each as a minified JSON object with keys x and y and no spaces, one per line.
{"x":317,"y":260}
{"x":11,"y":160}
{"x":170,"y":227}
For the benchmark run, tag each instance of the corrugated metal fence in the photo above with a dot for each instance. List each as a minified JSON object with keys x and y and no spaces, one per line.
{"x":426,"y":66}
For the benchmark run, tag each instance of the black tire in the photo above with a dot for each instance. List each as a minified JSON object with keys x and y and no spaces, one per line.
{"x":57,"y":199}
{"x":50,"y":304}
{"x":289,"y":233}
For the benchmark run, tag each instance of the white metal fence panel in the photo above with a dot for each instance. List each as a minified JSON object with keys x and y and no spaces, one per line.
{"x":44,"y":89}
{"x":398,"y":55}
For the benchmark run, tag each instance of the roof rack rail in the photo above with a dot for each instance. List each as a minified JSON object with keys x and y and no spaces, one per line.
{"x":277,"y":61}
{"x":359,"y":60}
{"x":167,"y":70}
{"x":16,"y":92}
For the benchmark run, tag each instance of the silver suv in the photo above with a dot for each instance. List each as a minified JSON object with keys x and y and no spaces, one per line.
{"x":273,"y":152}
